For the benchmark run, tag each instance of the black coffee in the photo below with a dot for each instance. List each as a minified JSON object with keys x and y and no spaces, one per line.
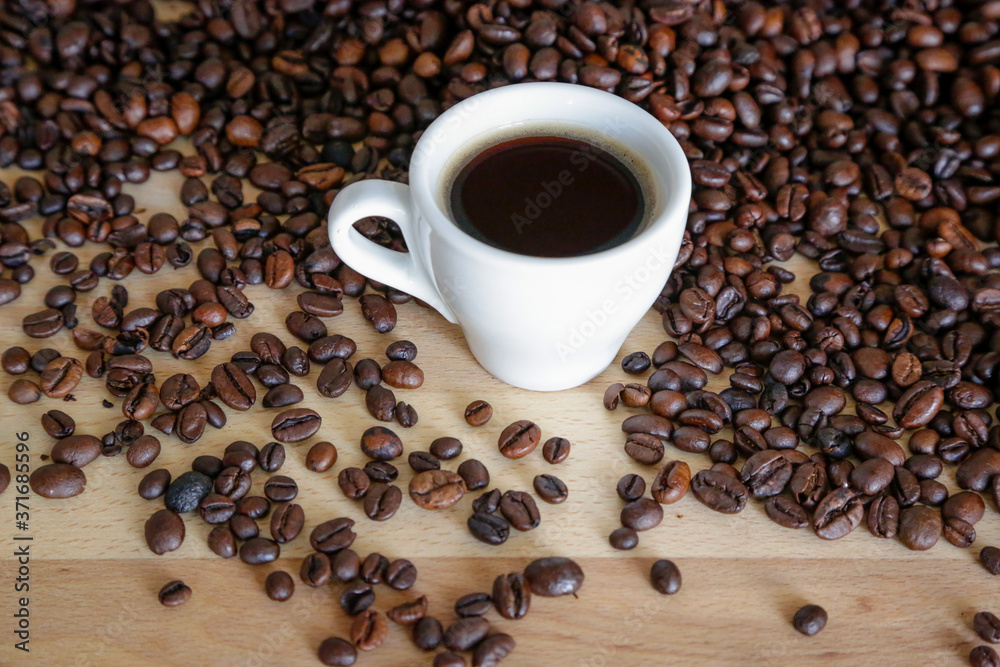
{"x":548,"y":196}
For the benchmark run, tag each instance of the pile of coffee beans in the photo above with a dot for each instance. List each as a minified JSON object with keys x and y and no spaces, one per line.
{"x":863,"y":136}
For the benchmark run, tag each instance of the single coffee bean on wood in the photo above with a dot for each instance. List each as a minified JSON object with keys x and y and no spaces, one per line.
{"x":810,"y":619}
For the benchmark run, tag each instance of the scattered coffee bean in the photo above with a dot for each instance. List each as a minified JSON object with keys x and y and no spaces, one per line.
{"x":279,"y":586}
{"x":810,"y":619}
{"x":554,"y":576}
{"x":666,"y":577}
{"x":174,"y":593}
{"x":478,"y":413}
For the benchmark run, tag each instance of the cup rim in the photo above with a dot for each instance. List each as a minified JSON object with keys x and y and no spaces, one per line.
{"x":675,"y":198}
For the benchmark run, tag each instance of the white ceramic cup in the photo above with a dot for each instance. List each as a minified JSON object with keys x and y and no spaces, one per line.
{"x":534,"y":322}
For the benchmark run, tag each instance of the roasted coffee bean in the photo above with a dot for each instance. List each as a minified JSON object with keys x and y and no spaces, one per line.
{"x":295,"y":425}
{"x":357,"y":598}
{"x":437,"y":489}
{"x":965,"y":505}
{"x":642,"y":514}
{"x":837,"y":514}
{"x":42,"y":324}
{"x":367,"y":374}
{"x":809,"y":619}
{"x":555,"y":450}
{"x":644,"y":448}
{"x":465,"y":633}
{"x":488,"y":502}
{"x":473,"y":604}
{"x":983,"y":656}
{"x":353,"y":482}
{"x":402,"y":350}
{"x":380,"y":444}
{"x":423,"y":461}
{"x":233,"y":387}
{"x":990,"y":559}
{"x":382,"y":501}
{"x":259,"y":551}
{"x":671,"y":482}
{"x":636,"y":363}
{"x":286,"y":522}
{"x":76,"y":450}
{"x":402,"y":375}
{"x":187,"y":491}
{"x":550,"y":488}
{"x":254,"y":507}
{"x":408,"y":613}
{"x":280,"y":489}
{"x":305,"y":327}
{"x":623,"y":539}
{"x":666,"y":577}
{"x":381,"y":403}
{"x":321,"y":456}
{"x":478,"y":413}
{"x":281,"y":396}
{"x":345,"y":565}
{"x":474,"y":473}
{"x":154,"y":484}
{"x":23,"y":392}
{"x":372,"y":568}
{"x":519,"y":439}
{"x":446,"y":448}
{"x":16,"y":361}
{"x":786,"y":512}
{"x":919,"y":527}
{"x":279,"y":586}
{"x":164,"y":532}
{"x":244,"y":528}
{"x":652,"y":425}
{"x":987,"y":626}
{"x":520,"y":510}
{"x":143,"y":452}
{"x":427,"y":633}
{"x":337,"y":652}
{"x":400,"y":574}
{"x":959,"y":533}
{"x":488,"y":528}
{"x":883,"y":517}
{"x":719,"y":492}
{"x":406,"y":415}
{"x":216,"y":508}
{"x":379,"y":311}
{"x":554,"y":576}
{"x":61,"y":376}
{"x":613,"y":395}
{"x":635,"y":395}
{"x":381,"y":471}
{"x":332,"y":536}
{"x":174,"y":593}
{"x":241,"y":454}
{"x":511,"y":596}
{"x":315,"y":570}
{"x":631,"y":487}
{"x":335,"y":378}
{"x":766,"y":473}
{"x":492,"y":650}
{"x":222,"y":542}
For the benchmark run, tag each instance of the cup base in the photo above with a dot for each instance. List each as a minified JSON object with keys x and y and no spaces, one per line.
{"x":574,"y":376}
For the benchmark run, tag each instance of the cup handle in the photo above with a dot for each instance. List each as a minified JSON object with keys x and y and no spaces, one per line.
{"x":404,"y":271}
